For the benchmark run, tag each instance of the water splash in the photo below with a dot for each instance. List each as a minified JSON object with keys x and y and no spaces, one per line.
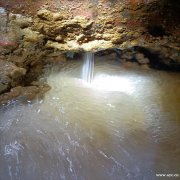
{"x":88,"y":67}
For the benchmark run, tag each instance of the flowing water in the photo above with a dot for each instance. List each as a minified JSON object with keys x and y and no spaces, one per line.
{"x":124,"y":125}
{"x":88,"y":67}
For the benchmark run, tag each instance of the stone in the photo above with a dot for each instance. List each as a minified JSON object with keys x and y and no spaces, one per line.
{"x":32,"y":36}
{"x":80,"y":38}
{"x":56,"y":45}
{"x":21,"y":21}
{"x":9,"y":75}
{"x":45,"y":15}
{"x":141,"y":59}
{"x":98,"y":36}
{"x":134,"y":42}
{"x":60,"y":16}
{"x":96,"y":45}
{"x":117,"y":38}
{"x":3,"y":20}
{"x":17,"y":73}
{"x":25,"y":93}
{"x":59,"y":38}
{"x":5,"y":82}
{"x":57,"y":17}
{"x":73,"y":46}
{"x":107,"y":37}
{"x":121,"y":29}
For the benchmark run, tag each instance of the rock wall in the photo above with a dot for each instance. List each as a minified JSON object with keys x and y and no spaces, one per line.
{"x":34,"y":33}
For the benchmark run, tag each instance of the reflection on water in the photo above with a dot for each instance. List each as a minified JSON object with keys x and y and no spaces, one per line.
{"x":113,"y":83}
{"x":125,"y":125}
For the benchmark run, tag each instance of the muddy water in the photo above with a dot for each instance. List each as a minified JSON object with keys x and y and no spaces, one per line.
{"x":125,"y":125}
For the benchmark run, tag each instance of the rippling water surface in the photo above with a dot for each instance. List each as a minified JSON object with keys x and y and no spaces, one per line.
{"x":125,"y":125}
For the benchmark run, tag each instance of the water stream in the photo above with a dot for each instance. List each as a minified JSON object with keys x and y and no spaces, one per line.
{"x":88,"y":67}
{"x":124,"y":126}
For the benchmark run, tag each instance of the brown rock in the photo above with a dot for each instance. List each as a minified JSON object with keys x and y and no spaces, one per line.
{"x":141,"y":59}
{"x":9,"y":75}
{"x":32,"y":36}
{"x":45,"y":15}
{"x":17,"y":72}
{"x":118,"y":38}
{"x":4,"y":83}
{"x":59,"y":38}
{"x":25,"y":93}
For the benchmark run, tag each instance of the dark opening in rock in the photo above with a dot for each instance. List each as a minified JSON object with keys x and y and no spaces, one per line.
{"x":156,"y":31}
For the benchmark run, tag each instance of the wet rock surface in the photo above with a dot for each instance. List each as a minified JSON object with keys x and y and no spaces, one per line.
{"x":151,"y":57}
{"x":10,"y":75}
{"x":25,"y":94}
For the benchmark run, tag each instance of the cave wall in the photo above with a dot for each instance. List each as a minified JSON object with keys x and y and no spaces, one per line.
{"x":33,"y":33}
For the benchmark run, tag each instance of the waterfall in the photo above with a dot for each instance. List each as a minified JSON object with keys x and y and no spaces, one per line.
{"x":88,"y":67}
